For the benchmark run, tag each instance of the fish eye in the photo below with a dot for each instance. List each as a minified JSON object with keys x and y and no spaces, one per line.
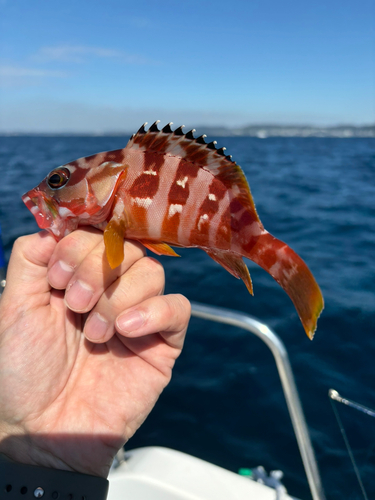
{"x":58,"y":178}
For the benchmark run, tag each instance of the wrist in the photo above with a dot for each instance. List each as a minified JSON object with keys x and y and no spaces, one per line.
{"x":21,"y":448}
{"x":82,"y":453}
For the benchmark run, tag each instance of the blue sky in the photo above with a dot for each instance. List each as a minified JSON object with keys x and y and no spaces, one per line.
{"x":109,"y":65}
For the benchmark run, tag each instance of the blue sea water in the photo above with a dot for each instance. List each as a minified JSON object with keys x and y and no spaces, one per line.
{"x":225,"y":402}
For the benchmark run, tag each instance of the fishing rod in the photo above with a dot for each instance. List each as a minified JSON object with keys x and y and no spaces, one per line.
{"x":335,"y":396}
{"x":348,"y":402}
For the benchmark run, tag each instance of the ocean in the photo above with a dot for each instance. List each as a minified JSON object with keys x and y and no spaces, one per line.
{"x":225,"y":403}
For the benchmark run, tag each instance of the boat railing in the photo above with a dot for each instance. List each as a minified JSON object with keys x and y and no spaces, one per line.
{"x":271,"y":339}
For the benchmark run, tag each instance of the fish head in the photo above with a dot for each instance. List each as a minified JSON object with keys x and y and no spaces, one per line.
{"x":71,"y":196}
{"x":51,"y":204}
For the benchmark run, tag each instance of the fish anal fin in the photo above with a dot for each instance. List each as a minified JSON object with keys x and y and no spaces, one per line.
{"x":114,"y":234}
{"x":159,"y":248}
{"x":234,"y":264}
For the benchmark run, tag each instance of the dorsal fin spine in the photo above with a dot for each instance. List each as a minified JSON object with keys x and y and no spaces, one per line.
{"x":179,"y":130}
{"x":200,"y":139}
{"x":141,"y":129}
{"x":167,"y":129}
{"x":154,"y":127}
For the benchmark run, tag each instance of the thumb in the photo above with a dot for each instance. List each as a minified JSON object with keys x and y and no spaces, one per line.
{"x":26,"y":280}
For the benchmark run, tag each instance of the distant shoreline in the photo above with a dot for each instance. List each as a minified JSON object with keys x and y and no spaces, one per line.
{"x":259,"y":131}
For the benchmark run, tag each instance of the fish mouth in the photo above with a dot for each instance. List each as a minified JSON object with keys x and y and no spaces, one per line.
{"x":46,"y":213}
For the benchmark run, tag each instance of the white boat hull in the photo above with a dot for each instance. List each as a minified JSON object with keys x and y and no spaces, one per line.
{"x":155,"y":473}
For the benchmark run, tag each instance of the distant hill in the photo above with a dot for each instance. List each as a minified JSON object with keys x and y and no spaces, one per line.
{"x":264,"y":131}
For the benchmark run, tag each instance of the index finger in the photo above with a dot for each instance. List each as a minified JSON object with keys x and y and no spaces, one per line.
{"x":80,"y":256}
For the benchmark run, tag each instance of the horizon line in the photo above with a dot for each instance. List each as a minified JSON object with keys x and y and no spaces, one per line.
{"x":259,"y":126}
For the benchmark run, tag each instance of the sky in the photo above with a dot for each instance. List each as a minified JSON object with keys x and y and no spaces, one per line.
{"x":101,"y":66}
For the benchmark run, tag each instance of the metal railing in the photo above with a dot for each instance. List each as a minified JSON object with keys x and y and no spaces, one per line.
{"x":280,"y":354}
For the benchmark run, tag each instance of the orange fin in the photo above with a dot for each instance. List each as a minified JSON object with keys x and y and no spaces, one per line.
{"x":233,"y":264}
{"x":159,"y":248}
{"x":114,"y":235}
{"x":291,"y":272}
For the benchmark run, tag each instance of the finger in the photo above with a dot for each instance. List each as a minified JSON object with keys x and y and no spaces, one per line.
{"x":27,"y":269}
{"x":80,"y":266}
{"x":73,"y":250}
{"x":69,"y":253}
{"x":166,"y":314}
{"x":94,"y":276}
{"x":144,"y":279}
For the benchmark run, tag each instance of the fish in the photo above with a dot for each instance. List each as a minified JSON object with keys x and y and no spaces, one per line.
{"x":169,"y":189}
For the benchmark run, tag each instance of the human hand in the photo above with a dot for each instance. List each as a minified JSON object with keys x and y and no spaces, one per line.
{"x":74,"y":389}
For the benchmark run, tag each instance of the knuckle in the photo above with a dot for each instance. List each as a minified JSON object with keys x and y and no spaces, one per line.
{"x":92,"y":265}
{"x":178,"y":306}
{"x":182,"y":306}
{"x":81,"y":240}
{"x":20,"y":244}
{"x":63,"y":247}
{"x":119,"y":300}
{"x":184,"y":303}
{"x":73,"y":241}
{"x":150,"y":266}
{"x":170,"y":306}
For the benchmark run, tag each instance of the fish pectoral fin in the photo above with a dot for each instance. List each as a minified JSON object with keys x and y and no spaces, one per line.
{"x":114,"y":234}
{"x":159,"y":248}
{"x":234,"y":264}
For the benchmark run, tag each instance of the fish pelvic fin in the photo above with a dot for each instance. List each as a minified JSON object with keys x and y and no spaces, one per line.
{"x":293,"y":275}
{"x":233,"y":263}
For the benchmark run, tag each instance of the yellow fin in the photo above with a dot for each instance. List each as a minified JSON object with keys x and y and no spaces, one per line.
{"x":114,"y":242}
{"x":233,"y":264}
{"x":159,"y":248}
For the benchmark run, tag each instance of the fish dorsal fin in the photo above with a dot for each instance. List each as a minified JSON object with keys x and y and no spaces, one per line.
{"x":197,"y":151}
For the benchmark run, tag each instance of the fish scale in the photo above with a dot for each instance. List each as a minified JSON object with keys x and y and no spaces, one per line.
{"x":167,"y":188}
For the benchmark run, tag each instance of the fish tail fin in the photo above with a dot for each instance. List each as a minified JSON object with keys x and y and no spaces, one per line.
{"x":293,"y":275}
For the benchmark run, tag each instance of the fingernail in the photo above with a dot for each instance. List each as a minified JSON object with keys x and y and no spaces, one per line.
{"x":79,"y":295}
{"x":60,"y":274}
{"x":131,"y":321}
{"x":96,"y":327}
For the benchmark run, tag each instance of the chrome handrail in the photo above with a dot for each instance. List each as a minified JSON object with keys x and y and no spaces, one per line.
{"x":280,"y":354}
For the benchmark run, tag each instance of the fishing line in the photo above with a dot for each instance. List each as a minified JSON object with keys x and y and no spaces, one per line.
{"x":335,"y":396}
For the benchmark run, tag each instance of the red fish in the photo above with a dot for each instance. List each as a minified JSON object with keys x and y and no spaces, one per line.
{"x":168,"y":188}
